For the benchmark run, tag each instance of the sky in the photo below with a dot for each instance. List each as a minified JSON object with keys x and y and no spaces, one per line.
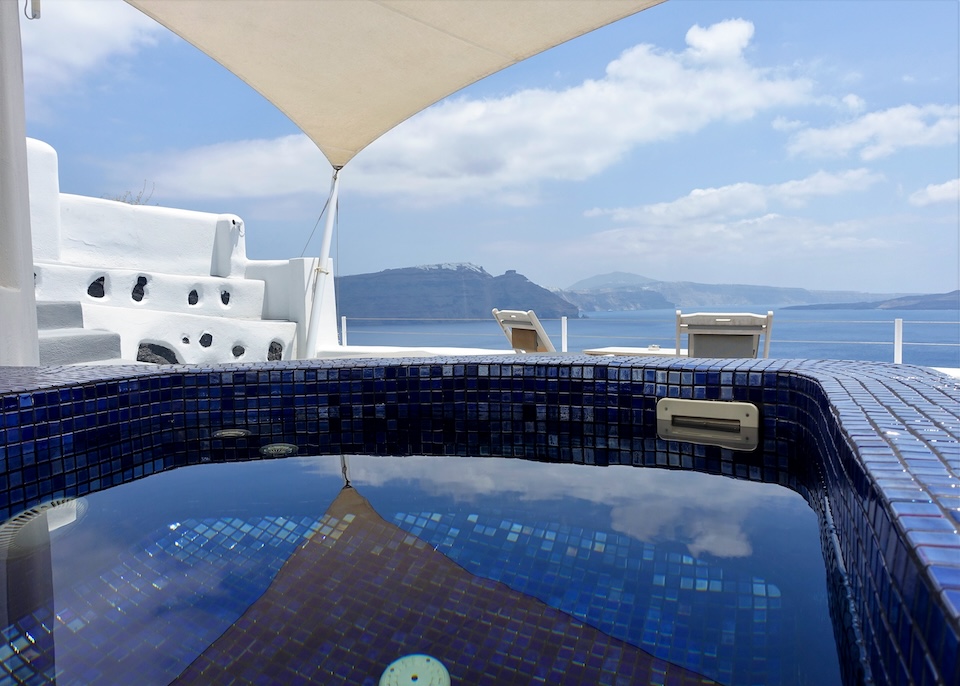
{"x":797,"y":143}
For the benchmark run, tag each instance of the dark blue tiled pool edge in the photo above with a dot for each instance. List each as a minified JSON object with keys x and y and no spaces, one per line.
{"x":887,"y":438}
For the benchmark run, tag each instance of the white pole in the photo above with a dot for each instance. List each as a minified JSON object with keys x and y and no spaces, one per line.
{"x":19,"y":344}
{"x":322,"y":274}
{"x":343,"y":330}
{"x":563,"y":334}
{"x":898,"y":341}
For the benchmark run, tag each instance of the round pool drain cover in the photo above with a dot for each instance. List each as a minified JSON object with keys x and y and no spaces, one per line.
{"x":231,"y":433}
{"x":421,"y":670}
{"x":278,"y":450}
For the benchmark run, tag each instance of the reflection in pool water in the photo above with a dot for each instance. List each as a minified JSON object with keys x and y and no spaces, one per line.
{"x":171,"y":575}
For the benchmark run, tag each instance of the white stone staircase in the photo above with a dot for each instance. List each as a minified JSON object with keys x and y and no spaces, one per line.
{"x":63,"y":340}
{"x":174,"y":284}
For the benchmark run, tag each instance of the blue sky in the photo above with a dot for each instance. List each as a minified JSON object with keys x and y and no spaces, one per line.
{"x":792,"y":143}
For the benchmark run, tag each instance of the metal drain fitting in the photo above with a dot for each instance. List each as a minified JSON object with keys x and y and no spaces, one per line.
{"x":231,"y":433}
{"x":278,"y":450}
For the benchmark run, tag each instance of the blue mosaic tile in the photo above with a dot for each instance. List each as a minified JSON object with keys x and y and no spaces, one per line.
{"x":100,"y":620}
{"x":885,"y":439}
{"x":569,"y":569}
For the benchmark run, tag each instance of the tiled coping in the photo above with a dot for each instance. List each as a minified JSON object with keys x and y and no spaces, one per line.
{"x":884,"y":439}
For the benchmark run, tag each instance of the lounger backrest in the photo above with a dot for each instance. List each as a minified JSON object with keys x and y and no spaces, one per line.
{"x":725,"y":335}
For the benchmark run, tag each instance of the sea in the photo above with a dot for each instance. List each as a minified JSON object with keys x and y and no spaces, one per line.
{"x":930,"y":337}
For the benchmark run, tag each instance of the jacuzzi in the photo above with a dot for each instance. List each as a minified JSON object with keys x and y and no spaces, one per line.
{"x":884,"y":440}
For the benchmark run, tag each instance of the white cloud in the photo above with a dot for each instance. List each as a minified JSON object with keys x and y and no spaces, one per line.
{"x":854,"y":103}
{"x":724,"y":41}
{"x":880,"y":134}
{"x":283,"y":166}
{"x":786,"y":125}
{"x":478,"y":148}
{"x":937,"y":193}
{"x":73,"y":38}
{"x":643,"y":503}
{"x":821,"y":184}
{"x":504,"y":147}
{"x":763,"y":248}
{"x":741,"y":199}
{"x":769,"y":233}
{"x":740,"y":233}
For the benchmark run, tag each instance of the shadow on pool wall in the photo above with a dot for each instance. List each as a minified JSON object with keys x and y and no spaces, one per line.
{"x":861,"y":442}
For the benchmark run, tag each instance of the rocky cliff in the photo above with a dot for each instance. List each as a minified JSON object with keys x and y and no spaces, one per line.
{"x":450,"y":291}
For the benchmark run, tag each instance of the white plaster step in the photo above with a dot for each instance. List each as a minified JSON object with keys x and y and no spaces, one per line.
{"x":74,"y":345}
{"x":213,"y":296}
{"x":54,"y":314}
{"x":195,"y":339}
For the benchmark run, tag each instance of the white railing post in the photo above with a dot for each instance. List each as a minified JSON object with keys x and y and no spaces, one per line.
{"x":343,"y":330}
{"x":898,"y":341}
{"x":563,"y":334}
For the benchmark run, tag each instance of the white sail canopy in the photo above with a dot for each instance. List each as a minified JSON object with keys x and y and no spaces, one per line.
{"x":347,"y":71}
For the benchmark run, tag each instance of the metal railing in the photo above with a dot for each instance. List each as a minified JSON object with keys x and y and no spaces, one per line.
{"x":472,"y":332}
{"x":897,"y":341}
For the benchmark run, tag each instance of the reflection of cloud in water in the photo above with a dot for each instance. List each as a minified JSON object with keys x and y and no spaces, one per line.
{"x":704,"y":511}
{"x":714,"y":528}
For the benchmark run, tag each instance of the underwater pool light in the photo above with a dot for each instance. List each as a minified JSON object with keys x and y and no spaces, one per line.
{"x":231,"y":433}
{"x":421,"y":670}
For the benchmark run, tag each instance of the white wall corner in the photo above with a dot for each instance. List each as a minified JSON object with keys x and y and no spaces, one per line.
{"x":44,"y":180}
{"x":229,"y":247}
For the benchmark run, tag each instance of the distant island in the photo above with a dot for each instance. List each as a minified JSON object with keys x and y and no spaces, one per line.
{"x":618,"y":291}
{"x":936,"y":301}
{"x":446,"y":291}
{"x":468,"y":291}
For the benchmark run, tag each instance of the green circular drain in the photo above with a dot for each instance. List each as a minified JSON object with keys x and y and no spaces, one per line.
{"x":420,"y":670}
{"x":278,"y":450}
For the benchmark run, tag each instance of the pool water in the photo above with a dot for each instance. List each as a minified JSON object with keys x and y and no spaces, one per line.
{"x":327,"y":569}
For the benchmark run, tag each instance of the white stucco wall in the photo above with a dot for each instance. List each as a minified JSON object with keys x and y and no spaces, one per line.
{"x":161,"y":292}
{"x":44,"y":200}
{"x":289,"y":295}
{"x":185,"y":334}
{"x":172,"y":253}
{"x":94,"y":231}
